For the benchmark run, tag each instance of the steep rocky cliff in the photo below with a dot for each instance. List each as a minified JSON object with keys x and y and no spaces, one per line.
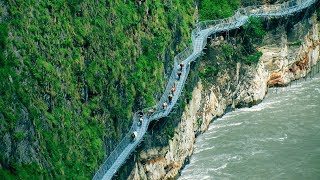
{"x":289,"y":51}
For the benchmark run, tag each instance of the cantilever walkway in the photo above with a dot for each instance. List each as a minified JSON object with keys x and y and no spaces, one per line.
{"x":199,"y":40}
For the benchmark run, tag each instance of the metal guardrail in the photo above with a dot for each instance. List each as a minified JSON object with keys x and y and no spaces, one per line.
{"x":191,"y":53}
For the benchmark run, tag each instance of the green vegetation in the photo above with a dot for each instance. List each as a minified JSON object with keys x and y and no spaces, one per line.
{"x":296,"y":43}
{"x":254,"y":33}
{"x":169,"y":132}
{"x":80,"y":68}
{"x":19,"y":136}
{"x":217,"y":9}
{"x":3,"y":41}
{"x":227,"y":54}
{"x":253,"y":58}
{"x":209,"y":71}
{"x":254,"y":29}
{"x":199,"y":122}
{"x":244,"y":56}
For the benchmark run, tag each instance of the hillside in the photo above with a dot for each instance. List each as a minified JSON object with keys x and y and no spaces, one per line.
{"x":71,"y":74}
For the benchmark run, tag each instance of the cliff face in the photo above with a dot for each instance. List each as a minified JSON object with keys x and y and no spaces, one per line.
{"x":293,"y":59}
{"x":287,"y":55}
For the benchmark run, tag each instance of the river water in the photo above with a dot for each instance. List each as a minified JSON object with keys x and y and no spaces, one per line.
{"x":277,"y":139}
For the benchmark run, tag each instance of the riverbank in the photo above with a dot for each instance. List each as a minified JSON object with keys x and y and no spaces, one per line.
{"x":276,"y":139}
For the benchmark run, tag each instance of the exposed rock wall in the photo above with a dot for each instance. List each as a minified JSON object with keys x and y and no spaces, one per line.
{"x":282,"y":62}
{"x":291,"y":60}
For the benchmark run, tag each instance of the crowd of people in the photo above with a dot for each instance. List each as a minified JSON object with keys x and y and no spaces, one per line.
{"x":174,"y":87}
{"x":165,"y":104}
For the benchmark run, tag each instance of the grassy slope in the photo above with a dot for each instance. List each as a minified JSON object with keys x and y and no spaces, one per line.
{"x":80,"y":68}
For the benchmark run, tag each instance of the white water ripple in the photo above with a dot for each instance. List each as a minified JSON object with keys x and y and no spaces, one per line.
{"x":277,"y":139}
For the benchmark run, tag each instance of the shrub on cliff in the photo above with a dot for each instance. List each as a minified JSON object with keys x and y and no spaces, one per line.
{"x":217,"y":9}
{"x":253,"y":58}
{"x":253,"y":33}
{"x":254,"y":29}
